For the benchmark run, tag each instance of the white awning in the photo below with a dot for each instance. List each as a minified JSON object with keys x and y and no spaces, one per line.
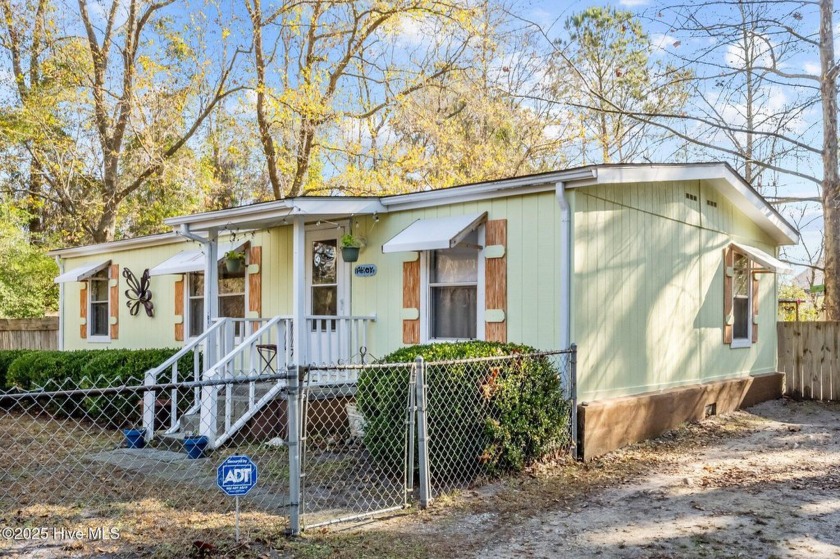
{"x":191,"y":260}
{"x":763,"y":259}
{"x":82,"y":272}
{"x":434,"y":234}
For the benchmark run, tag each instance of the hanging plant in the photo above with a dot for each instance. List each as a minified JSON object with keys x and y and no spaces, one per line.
{"x":233,"y":261}
{"x":350,"y":246}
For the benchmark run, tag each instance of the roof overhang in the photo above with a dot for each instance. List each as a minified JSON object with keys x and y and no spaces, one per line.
{"x":434,"y":234}
{"x":268,"y":214}
{"x":271,"y":214}
{"x":82,"y":272}
{"x":766,"y":261}
{"x":116,"y":246}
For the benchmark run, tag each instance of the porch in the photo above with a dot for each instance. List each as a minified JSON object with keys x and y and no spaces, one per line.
{"x":256,"y":354}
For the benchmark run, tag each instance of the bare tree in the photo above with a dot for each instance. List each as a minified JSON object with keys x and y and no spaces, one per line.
{"x":320,"y":49}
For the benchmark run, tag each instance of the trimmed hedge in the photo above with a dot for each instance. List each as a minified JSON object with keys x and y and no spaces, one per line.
{"x":484,"y":418}
{"x":7,"y":356}
{"x":56,"y":370}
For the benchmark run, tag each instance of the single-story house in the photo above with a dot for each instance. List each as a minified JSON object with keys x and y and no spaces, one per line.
{"x":664,"y":276}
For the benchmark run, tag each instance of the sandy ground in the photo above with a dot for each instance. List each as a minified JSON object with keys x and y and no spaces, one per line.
{"x":759,"y":484}
{"x":762,"y":483}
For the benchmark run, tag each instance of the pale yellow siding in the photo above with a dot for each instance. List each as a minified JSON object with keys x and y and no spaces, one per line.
{"x":648,"y":289}
{"x":141,"y":331}
{"x":138,"y":331}
{"x":532,"y":253}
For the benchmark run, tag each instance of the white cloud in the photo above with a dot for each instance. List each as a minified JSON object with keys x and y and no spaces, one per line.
{"x":634,"y":3}
{"x":812,"y":68}
{"x":761,"y":46}
{"x":662,"y":42}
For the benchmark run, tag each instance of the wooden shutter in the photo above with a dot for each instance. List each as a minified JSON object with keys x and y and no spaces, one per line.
{"x":755,"y":308}
{"x":411,"y":301}
{"x":83,"y":308}
{"x":495,"y":280}
{"x":114,"y":300}
{"x":179,"y":308}
{"x":255,"y":282}
{"x":728,"y":272}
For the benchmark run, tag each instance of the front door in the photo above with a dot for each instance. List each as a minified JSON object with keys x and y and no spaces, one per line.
{"x":327,"y":296}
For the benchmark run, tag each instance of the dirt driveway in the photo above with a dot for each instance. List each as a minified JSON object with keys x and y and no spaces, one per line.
{"x":760,"y":484}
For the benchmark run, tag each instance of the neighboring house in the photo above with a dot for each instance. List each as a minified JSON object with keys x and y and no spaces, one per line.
{"x":663,"y":275}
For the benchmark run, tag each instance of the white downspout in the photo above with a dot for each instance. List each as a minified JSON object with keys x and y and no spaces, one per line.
{"x":565,"y":306}
{"x":60,"y":263}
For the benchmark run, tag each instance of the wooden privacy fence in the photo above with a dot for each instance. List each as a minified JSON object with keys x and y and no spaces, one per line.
{"x":809,"y":355}
{"x":29,"y":333}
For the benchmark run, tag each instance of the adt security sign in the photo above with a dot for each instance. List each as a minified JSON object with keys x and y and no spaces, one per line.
{"x":236,"y":476}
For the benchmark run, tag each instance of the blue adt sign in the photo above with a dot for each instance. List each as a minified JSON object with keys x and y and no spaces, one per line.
{"x":236,"y":476}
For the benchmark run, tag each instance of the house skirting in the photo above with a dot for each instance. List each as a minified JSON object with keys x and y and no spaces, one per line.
{"x":610,"y":424}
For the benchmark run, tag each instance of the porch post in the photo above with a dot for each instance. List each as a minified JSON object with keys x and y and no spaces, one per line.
{"x":209,"y":394}
{"x":211,"y":294}
{"x":299,"y":338}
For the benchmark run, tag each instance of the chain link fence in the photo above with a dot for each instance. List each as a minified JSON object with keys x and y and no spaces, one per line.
{"x":75,"y":470}
{"x":335,"y":444}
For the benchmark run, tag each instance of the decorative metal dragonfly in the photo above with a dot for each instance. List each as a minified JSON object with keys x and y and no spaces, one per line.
{"x":138,"y":292}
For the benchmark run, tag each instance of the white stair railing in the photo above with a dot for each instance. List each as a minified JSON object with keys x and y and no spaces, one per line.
{"x":267,"y":351}
{"x":214,"y":334}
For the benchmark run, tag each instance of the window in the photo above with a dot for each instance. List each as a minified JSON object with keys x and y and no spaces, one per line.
{"x":324,"y":279}
{"x":195,"y":304}
{"x":98,"y":301}
{"x":453,"y":291}
{"x":231,"y":298}
{"x":741,"y":297}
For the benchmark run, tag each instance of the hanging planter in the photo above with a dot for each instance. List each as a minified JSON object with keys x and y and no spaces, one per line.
{"x":350,"y":247}
{"x":350,"y":254}
{"x":234,"y":261}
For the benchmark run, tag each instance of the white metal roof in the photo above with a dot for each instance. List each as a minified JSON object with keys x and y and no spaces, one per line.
{"x":191,"y":260}
{"x":434,"y":234}
{"x":82,"y":272}
{"x":759,"y":256}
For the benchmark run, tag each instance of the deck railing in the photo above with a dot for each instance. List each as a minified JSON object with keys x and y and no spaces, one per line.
{"x":248,"y":348}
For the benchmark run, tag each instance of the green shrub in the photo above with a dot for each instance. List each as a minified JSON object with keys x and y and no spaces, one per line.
{"x":128,"y":367}
{"x":56,"y":370}
{"x":7,"y":356}
{"x":484,"y":418}
{"x":48,"y":370}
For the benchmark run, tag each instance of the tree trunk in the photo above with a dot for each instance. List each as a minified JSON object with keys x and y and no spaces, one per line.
{"x":266,"y":140}
{"x":831,"y":176}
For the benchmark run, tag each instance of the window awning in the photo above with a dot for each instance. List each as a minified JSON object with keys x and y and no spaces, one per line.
{"x":434,"y":234}
{"x":763,"y":259}
{"x":191,"y":260}
{"x":82,"y":272}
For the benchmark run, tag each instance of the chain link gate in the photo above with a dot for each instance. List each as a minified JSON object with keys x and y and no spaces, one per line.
{"x":382,"y":437}
{"x":344,"y":478}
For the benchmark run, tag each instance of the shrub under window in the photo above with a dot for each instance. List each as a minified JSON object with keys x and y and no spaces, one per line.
{"x":484,"y":418}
